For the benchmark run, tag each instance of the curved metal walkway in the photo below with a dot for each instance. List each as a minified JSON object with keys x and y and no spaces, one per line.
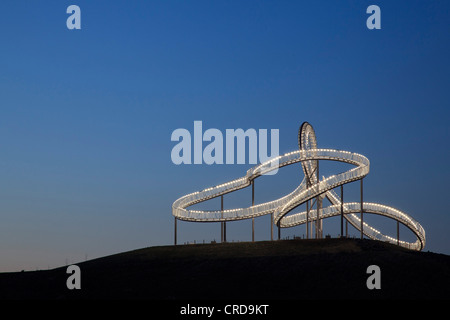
{"x":312,"y":190}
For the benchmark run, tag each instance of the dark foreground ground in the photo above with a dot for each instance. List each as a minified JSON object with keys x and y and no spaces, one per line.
{"x":288,"y":269}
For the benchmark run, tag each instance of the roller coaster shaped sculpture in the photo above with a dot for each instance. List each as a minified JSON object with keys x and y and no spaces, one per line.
{"x":311,"y":190}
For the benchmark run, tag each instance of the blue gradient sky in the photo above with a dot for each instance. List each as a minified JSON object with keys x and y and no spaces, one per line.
{"x":86,"y":115}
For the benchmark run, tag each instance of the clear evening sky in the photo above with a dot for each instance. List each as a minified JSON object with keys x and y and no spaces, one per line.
{"x":86,"y":115}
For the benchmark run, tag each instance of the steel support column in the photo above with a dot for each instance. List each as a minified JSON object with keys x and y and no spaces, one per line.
{"x":307,"y":216}
{"x":307,"y":210}
{"x":362,"y":210}
{"x":317,"y":203}
{"x":271,"y":226}
{"x":342,"y":210}
{"x":175,"y":232}
{"x":253,"y":203}
{"x":224,"y":231}
{"x":398,"y":233}
{"x":221,"y":216}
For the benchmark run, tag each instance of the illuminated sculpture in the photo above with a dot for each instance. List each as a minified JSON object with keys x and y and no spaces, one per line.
{"x":311,"y":191}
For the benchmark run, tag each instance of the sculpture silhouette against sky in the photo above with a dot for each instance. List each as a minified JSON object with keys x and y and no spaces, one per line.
{"x":311,"y":191}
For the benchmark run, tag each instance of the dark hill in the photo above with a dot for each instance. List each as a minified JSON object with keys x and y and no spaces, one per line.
{"x":287,"y":269}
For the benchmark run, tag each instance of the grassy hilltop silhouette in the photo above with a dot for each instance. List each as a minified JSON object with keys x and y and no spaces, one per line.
{"x":286,"y":269}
